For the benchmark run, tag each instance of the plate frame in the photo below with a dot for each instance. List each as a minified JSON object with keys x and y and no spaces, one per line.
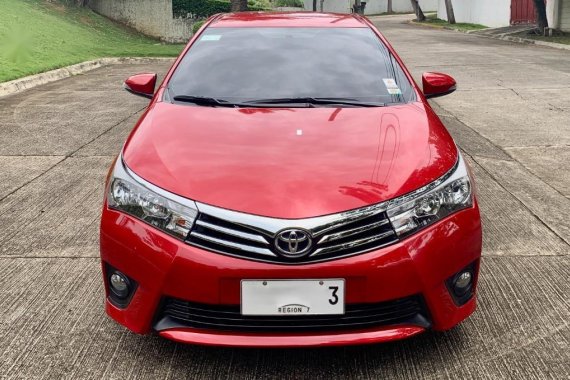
{"x":296,"y":280}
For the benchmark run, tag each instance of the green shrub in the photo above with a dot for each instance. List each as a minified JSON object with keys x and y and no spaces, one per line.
{"x":289,"y":3}
{"x":199,"y":8}
{"x":197,"y":25}
{"x":258,"y":4}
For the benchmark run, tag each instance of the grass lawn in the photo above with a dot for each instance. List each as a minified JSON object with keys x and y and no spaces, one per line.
{"x":37,"y":36}
{"x":432,"y":19}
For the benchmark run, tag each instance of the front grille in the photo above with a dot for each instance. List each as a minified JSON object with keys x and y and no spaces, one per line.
{"x":253,"y":237}
{"x":175,"y":313}
{"x":226,"y":237}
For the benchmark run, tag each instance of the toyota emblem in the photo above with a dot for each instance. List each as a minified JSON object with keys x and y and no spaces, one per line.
{"x":293,"y":242}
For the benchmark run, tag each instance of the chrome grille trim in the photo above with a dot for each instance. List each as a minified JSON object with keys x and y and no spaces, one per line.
{"x":253,"y":237}
{"x":241,"y":247}
{"x":355,"y":243}
{"x":353,"y":231}
{"x":229,"y":231}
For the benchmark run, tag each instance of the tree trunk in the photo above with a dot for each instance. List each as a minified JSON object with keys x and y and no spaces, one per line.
{"x":239,"y":5}
{"x":450,"y":13}
{"x":541,"y":19}
{"x":390,"y":9}
{"x":357,"y":7}
{"x":418,"y":11}
{"x":314,"y":5}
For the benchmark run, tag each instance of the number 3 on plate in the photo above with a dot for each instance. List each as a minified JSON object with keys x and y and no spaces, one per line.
{"x":334,"y":299}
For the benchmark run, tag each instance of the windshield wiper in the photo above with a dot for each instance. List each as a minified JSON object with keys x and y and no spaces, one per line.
{"x":304,"y":101}
{"x":316,"y":101}
{"x":205,"y":101}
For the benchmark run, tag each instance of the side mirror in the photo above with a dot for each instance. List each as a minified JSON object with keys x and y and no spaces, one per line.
{"x":437,"y":84}
{"x":141,"y":84}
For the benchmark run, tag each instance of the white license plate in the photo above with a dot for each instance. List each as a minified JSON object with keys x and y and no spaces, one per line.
{"x":292,"y":297}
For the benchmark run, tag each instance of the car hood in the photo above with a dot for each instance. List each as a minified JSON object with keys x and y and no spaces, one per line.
{"x":289,"y":163}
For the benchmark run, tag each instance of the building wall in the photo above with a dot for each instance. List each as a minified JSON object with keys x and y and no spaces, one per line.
{"x":492,"y":13}
{"x":558,"y":13}
{"x":151,"y":17}
{"x":334,"y":6}
{"x":373,"y":7}
{"x":564,"y":23}
{"x":406,"y":5}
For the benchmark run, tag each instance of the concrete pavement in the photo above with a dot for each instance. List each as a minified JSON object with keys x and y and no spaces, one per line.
{"x":511,"y":116}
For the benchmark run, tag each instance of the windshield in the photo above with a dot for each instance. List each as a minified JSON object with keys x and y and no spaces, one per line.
{"x":252,"y":64}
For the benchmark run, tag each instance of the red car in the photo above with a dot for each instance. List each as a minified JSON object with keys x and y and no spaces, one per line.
{"x":289,"y":185}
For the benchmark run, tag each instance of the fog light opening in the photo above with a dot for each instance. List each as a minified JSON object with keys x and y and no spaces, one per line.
{"x":119,"y":285}
{"x":463,"y":283}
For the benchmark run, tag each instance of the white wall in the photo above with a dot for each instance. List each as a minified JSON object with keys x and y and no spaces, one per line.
{"x":558,"y":14}
{"x":428,"y":5}
{"x":492,"y":13}
{"x":151,"y":17}
{"x":373,"y":7}
{"x":334,"y":6}
{"x":405,"y":6}
{"x":563,"y":17}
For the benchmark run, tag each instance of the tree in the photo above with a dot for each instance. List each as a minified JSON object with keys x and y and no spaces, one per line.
{"x":418,"y":11}
{"x":541,"y":19}
{"x":449,"y":11}
{"x":314,"y":5}
{"x":239,"y":5}
{"x":389,"y":8}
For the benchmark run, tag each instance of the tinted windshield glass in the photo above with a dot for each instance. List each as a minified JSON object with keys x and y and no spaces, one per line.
{"x":244,"y":64}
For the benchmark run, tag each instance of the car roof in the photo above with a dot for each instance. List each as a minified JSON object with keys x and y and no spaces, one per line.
{"x":287,"y":20}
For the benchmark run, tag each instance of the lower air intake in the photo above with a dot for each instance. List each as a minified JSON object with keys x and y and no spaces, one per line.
{"x":175,"y":313}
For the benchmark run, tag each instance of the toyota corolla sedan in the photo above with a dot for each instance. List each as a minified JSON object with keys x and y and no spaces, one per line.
{"x":289,"y":185}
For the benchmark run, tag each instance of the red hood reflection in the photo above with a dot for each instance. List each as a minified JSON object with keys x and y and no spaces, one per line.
{"x":290,"y":163}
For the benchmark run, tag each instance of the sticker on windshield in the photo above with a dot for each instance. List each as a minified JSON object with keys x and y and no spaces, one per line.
{"x":211,"y":37}
{"x":390,"y":83}
{"x":392,"y":86}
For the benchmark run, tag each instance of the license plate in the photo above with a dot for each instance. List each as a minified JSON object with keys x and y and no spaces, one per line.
{"x":292,"y":297}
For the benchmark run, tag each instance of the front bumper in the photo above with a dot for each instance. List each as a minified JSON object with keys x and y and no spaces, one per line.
{"x":165,"y":267}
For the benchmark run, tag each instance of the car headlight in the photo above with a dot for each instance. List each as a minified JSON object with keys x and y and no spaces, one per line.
{"x":433,"y":202}
{"x":133,"y":195}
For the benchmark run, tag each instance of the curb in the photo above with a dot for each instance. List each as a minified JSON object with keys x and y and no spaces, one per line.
{"x":519,"y":40}
{"x":527,"y":41}
{"x":26,"y":83}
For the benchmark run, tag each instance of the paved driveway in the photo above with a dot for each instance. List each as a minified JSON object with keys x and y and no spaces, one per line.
{"x":511,"y":117}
